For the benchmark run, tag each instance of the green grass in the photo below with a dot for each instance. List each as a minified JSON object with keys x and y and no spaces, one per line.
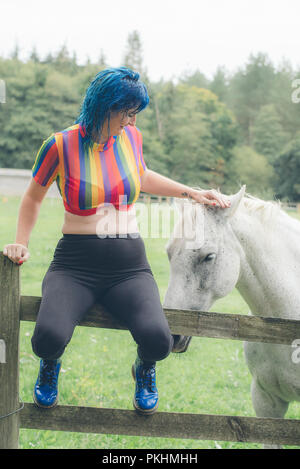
{"x":211,"y":377}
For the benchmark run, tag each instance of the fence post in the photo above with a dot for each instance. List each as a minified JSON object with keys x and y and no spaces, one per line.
{"x":9,"y":360}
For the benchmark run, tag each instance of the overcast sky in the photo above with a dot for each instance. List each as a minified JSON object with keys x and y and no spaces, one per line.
{"x":177,"y":35}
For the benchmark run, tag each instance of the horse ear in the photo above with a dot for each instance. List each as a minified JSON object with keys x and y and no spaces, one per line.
{"x":235,"y":200}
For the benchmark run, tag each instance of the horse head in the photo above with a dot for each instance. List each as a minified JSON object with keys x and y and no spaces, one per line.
{"x":204,"y":258}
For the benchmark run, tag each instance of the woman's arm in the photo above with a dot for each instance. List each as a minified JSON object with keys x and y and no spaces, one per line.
{"x":28,"y":213}
{"x":155,"y":183}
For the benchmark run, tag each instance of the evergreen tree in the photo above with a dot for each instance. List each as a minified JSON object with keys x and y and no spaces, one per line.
{"x":196,"y":78}
{"x":250,"y":88}
{"x":34,"y":57}
{"x":268,"y":135}
{"x":63,"y":62}
{"x":102,"y":61}
{"x":15,"y":52}
{"x":49,"y":59}
{"x":219,"y":84}
{"x":287,"y":167}
{"x":133,"y":58}
{"x":281,"y":97}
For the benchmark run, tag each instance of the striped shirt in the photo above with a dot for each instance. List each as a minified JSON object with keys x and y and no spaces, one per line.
{"x":88,"y":177}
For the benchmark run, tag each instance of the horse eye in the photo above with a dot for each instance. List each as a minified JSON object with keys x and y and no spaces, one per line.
{"x":209,"y":257}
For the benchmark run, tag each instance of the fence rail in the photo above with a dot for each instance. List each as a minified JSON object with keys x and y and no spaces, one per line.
{"x":193,"y":323}
{"x":162,"y":424}
{"x":15,"y":308}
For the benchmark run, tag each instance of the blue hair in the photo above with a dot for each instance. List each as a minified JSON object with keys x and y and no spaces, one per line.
{"x":112,"y":90}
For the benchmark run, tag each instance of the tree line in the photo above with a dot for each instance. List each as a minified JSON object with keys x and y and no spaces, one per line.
{"x":236,"y":128}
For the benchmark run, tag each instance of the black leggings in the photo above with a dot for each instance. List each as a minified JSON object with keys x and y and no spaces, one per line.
{"x":114,"y":271}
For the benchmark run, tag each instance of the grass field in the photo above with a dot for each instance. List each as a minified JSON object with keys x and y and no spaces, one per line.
{"x":211,"y":377}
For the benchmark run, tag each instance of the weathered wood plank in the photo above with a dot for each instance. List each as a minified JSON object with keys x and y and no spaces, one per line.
{"x":95,"y":317}
{"x":162,"y":424}
{"x":193,"y":323}
{"x":9,"y":362}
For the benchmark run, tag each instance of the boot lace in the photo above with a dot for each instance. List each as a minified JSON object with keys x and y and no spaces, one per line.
{"x":146,"y":378}
{"x":48,"y":374}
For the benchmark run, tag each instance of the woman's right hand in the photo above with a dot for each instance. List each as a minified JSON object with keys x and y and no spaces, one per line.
{"x":16,"y":252}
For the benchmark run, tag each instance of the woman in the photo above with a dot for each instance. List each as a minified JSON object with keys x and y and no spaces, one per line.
{"x":99,"y":169}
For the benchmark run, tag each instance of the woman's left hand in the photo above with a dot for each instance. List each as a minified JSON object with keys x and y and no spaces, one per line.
{"x":210,"y":197}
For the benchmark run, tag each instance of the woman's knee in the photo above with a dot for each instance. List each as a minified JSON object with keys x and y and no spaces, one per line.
{"x":155,"y":342}
{"x":48,"y":342}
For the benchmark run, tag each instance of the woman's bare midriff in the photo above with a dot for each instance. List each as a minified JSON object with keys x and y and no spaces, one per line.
{"x":107,"y":220}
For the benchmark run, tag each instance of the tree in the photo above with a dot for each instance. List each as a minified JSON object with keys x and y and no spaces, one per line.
{"x":288,"y":111}
{"x":287,"y":167}
{"x":199,"y":134}
{"x":49,"y":59}
{"x":133,"y":58}
{"x":251,"y":168}
{"x":16,"y":52}
{"x":189,"y":133}
{"x":196,"y":78}
{"x":63,"y":62}
{"x":40,"y":101}
{"x":250,"y":88}
{"x":102,"y":61}
{"x":219,"y":84}
{"x":268,"y":135}
{"x":34,"y":57}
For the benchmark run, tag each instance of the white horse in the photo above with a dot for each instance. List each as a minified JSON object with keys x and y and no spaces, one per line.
{"x":253,"y":246}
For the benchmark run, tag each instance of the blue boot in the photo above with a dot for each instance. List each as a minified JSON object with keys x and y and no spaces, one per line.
{"x":145,"y":399}
{"x":45,"y":393}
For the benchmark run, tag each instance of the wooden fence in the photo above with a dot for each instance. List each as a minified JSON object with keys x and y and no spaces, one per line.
{"x":148,"y":198}
{"x":291,"y":206}
{"x":14,"y":307}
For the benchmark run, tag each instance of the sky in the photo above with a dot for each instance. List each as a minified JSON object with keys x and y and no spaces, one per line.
{"x":178,"y":36}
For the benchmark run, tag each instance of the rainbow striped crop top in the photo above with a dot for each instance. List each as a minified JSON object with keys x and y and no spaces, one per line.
{"x":87,"y":178}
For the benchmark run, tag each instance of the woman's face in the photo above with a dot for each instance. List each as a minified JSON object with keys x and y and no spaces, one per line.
{"x":118,"y":120}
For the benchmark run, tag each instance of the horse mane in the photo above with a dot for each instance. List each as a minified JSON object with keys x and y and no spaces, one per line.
{"x":266,"y":211}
